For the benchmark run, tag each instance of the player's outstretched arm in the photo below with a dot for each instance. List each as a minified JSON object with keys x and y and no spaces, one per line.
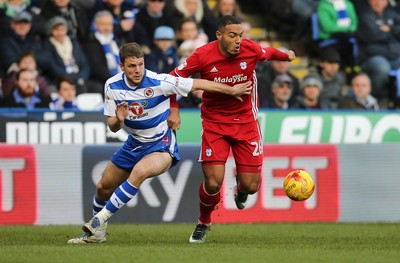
{"x":276,"y":54}
{"x":210,"y":86}
{"x":115,"y":122}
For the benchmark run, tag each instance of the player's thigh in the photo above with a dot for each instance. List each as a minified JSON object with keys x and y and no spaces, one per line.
{"x":150,"y":165}
{"x":215,"y":145}
{"x":248,"y":153}
{"x":247,"y":148}
{"x":113,"y":176}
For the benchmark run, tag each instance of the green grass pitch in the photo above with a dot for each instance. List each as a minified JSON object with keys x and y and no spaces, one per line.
{"x":133,"y":243}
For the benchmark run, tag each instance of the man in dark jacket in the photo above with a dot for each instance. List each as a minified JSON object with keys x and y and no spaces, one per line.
{"x":21,"y":41}
{"x":378,"y":37}
{"x":75,"y":16}
{"x":360,"y":97}
{"x":282,"y":88}
{"x":102,"y":51}
{"x":151,"y":16}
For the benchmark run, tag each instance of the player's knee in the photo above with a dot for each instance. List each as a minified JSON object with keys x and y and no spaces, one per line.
{"x":103,"y":192}
{"x":212,"y":187}
{"x":99,"y":187}
{"x":251,"y":188}
{"x":138,"y":175}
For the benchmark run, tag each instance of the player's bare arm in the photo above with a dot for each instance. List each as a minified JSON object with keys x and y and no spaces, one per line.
{"x":210,"y":86}
{"x":276,"y":54}
{"x":115,"y":122}
{"x":174,"y":119}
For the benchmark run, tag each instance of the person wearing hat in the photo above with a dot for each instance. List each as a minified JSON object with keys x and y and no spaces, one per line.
{"x":163,"y":56}
{"x":332,"y":77}
{"x":67,"y":57}
{"x":23,"y":16}
{"x":75,"y":16}
{"x":266,"y":73}
{"x":20,"y":40}
{"x":310,"y":88}
{"x":10,"y":9}
{"x":282,"y":88}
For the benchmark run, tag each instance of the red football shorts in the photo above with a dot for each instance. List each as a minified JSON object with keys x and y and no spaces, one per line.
{"x":243,"y":138}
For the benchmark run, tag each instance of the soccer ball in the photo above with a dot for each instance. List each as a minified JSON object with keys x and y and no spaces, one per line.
{"x":298,"y":185}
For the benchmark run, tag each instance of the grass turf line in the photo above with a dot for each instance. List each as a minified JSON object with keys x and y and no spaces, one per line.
{"x":288,"y":242}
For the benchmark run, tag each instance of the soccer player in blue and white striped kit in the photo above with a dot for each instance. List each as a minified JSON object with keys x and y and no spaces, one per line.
{"x":139,"y":99}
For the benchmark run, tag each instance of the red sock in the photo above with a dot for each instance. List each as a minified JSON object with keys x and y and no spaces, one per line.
{"x":207,"y":204}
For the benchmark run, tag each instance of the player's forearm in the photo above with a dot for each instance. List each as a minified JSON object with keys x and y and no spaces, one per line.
{"x":114,"y":124}
{"x":211,"y":86}
{"x":173,"y":102}
{"x":276,"y":54}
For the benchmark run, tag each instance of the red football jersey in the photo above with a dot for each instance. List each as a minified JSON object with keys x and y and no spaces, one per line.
{"x":213,"y":65}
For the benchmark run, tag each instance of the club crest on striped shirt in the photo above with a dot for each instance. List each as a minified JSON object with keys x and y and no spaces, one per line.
{"x":148,"y":93}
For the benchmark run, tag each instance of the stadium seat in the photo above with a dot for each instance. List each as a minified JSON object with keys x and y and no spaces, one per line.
{"x":90,"y":101}
{"x":396,"y":74}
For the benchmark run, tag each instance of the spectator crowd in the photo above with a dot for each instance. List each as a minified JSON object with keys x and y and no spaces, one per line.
{"x":52,"y":51}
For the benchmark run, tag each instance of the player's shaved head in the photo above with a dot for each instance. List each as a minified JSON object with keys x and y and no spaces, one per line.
{"x":227,"y":20}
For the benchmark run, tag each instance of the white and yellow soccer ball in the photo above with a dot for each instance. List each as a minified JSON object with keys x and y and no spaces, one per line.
{"x":299,"y":185}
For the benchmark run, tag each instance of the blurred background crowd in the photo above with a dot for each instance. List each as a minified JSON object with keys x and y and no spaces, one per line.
{"x":57,"y":54}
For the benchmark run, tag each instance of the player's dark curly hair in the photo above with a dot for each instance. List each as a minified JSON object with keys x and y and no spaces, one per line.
{"x":227,"y":20}
{"x":130,"y":50}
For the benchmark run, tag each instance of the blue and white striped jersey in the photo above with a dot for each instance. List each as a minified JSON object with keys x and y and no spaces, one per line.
{"x":149,"y":102}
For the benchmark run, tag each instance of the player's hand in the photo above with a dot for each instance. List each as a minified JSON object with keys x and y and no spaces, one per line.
{"x":121,"y":112}
{"x":291,"y":55}
{"x":241,"y":89}
{"x":174,"y":119}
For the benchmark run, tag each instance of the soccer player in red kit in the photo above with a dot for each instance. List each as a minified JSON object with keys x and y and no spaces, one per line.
{"x":228,"y":124}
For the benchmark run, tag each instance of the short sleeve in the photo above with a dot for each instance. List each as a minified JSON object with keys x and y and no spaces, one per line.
{"x":109,"y":102}
{"x":176,"y":85}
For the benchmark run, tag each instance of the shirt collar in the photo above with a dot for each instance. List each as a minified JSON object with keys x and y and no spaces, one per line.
{"x":30,"y":104}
